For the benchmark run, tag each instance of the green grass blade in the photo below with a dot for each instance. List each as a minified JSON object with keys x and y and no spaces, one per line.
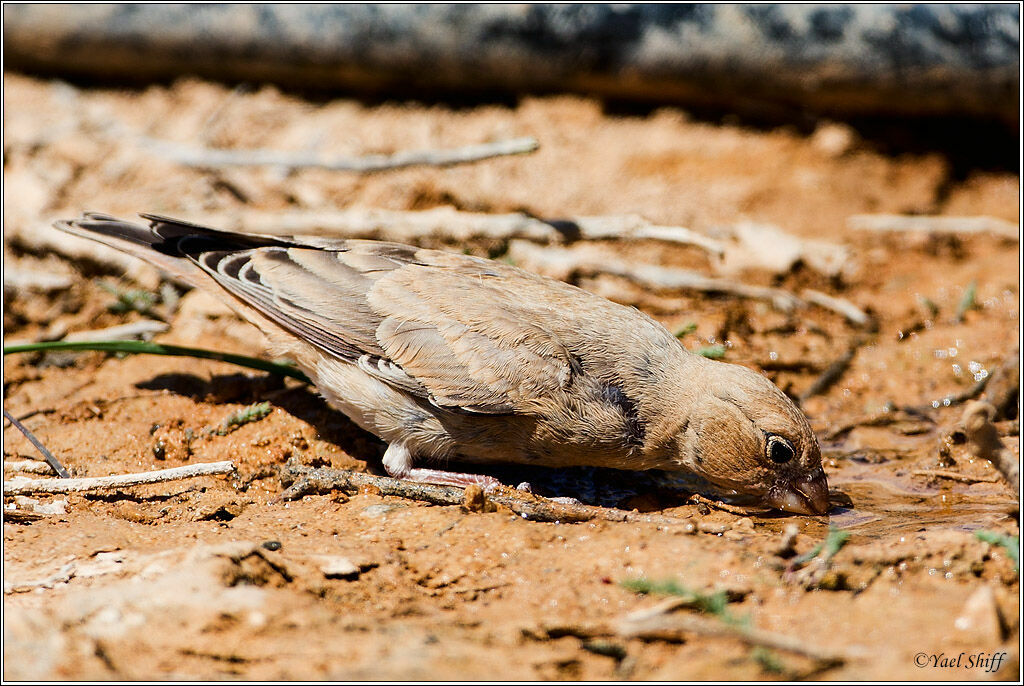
{"x":149,"y":348}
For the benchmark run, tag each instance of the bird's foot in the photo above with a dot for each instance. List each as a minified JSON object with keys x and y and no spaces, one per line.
{"x":398,"y":464}
{"x":438,"y":476}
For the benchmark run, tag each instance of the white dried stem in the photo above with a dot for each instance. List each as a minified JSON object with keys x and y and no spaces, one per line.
{"x":587,"y":260}
{"x":143,"y":329}
{"x":17,"y":280}
{"x":450,"y":224}
{"x":946,"y":225}
{"x":841,"y":306}
{"x":117,"y":480}
{"x":27,"y":467}
{"x":195,"y":156}
{"x":664,"y":626}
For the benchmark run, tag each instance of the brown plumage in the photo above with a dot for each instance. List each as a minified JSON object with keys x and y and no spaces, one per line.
{"x":445,"y":355}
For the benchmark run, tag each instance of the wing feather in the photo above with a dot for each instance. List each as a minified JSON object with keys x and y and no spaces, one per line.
{"x":413,"y":325}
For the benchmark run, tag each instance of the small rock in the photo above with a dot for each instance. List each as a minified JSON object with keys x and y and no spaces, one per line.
{"x":57,"y":507}
{"x":342,"y":567}
{"x":338,"y":567}
{"x":712,"y":527}
{"x":744,"y":524}
{"x":834,"y":139}
{"x":980,"y":616}
{"x":740,"y":529}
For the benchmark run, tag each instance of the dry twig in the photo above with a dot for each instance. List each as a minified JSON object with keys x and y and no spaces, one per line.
{"x":117,"y":480}
{"x":955,"y":476}
{"x":563,"y":263}
{"x":726,"y":507}
{"x":841,"y":306}
{"x":984,"y":442}
{"x":19,"y":516}
{"x":451,"y":224}
{"x":833,"y":372}
{"x":903,"y":223}
{"x":141,"y":330}
{"x":1005,"y":389}
{"x":17,"y":280}
{"x":306,"y":480}
{"x":886,"y":417}
{"x":664,"y":627}
{"x":194,"y":156}
{"x":27,"y":467}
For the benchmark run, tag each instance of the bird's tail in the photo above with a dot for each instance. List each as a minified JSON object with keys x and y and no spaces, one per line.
{"x":166,"y":243}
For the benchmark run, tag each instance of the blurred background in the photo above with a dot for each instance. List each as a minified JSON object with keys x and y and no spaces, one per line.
{"x":767,"y":63}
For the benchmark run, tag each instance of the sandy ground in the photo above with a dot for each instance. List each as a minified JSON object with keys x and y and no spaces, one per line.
{"x":214,"y":578}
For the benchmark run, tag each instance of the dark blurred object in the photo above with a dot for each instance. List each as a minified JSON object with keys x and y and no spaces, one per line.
{"x":855,"y":60}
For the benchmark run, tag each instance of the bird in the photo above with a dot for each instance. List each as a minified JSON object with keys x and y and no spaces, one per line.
{"x":445,"y":355}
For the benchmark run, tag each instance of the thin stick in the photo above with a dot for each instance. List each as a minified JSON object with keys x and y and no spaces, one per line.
{"x":726,"y":507}
{"x":117,"y":480}
{"x":562,"y":263}
{"x":450,"y":224}
{"x":27,"y":467}
{"x":1005,"y":387}
{"x":902,"y":223}
{"x":323,"y":480}
{"x":193,"y":156}
{"x":130,"y":331}
{"x":50,"y":459}
{"x":33,"y":280}
{"x":955,"y":399}
{"x":883,"y":418}
{"x":661,"y":627}
{"x":985,"y":443}
{"x":123,"y":332}
{"x":149,"y":348}
{"x":632,"y":227}
{"x":955,"y":476}
{"x":833,"y":373}
{"x":19,"y":516}
{"x":847,"y":309}
{"x":1003,"y":390}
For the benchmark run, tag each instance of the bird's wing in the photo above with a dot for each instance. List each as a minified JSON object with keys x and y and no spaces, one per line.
{"x":464,"y":333}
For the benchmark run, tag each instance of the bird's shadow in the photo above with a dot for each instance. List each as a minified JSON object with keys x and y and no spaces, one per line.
{"x":642,"y":490}
{"x":299,"y":401}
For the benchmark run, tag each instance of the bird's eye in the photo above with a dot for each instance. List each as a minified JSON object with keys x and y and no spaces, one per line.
{"x":780,"y":450}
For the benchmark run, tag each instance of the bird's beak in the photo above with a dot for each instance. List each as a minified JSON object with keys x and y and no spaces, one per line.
{"x":806,"y":495}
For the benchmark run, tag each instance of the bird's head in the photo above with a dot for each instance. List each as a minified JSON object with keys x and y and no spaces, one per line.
{"x":743,"y":433}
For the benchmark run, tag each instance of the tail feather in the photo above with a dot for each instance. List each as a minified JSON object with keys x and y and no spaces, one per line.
{"x":162,"y":243}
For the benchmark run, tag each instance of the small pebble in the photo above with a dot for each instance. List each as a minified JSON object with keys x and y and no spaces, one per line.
{"x":712,"y":527}
{"x":338,"y":567}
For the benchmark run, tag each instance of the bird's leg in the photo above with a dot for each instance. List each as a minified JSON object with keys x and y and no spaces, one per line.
{"x":398,"y":464}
